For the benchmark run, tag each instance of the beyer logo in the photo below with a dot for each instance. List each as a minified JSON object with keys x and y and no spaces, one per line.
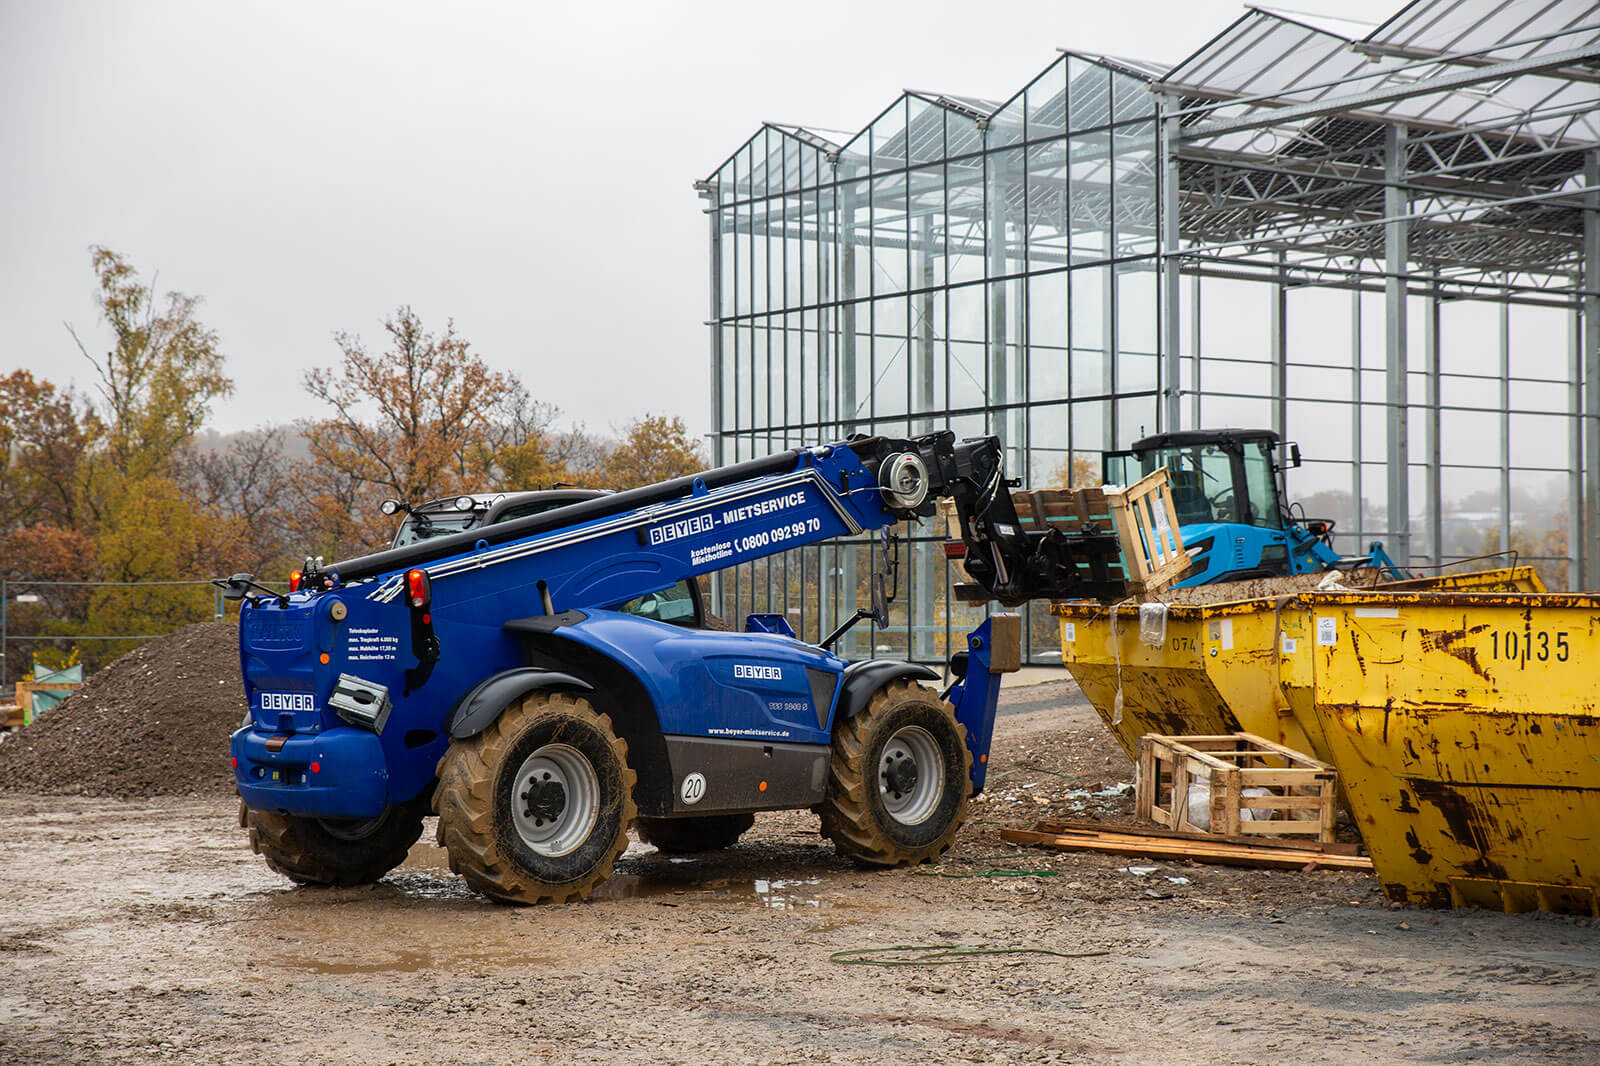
{"x":758,"y":673}
{"x":688,"y":527}
{"x":286,"y":701}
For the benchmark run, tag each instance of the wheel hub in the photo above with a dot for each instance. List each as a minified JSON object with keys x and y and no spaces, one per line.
{"x":911,"y":775}
{"x":555,"y":800}
{"x":901,"y":776}
{"x":544,"y":800}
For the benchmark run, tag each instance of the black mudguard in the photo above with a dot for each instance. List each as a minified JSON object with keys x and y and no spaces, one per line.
{"x":484,"y":702}
{"x":862,"y":679}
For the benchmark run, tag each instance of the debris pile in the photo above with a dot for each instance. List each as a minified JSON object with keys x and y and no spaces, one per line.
{"x":153,"y":723}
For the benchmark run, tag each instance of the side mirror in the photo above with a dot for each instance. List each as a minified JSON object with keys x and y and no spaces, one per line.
{"x":237,"y":586}
{"x":1294,"y":455}
{"x":880,"y":602}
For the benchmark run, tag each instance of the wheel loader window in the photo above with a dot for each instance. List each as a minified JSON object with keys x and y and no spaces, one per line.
{"x":1261,"y":489}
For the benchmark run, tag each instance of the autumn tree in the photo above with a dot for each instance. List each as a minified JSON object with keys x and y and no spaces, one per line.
{"x":45,"y":433}
{"x":1080,"y":470}
{"x":247,"y":479}
{"x":158,"y":377}
{"x":425,"y":417}
{"x":653,"y":448}
{"x":159,"y":371}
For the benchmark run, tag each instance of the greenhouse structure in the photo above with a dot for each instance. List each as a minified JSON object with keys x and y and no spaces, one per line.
{"x":1381,"y":241}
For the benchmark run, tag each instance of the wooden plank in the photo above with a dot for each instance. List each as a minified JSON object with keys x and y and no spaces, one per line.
{"x":1149,"y":779}
{"x":1299,"y":758}
{"x":1331,"y":847}
{"x":1280,"y":827}
{"x":1157,"y":848}
{"x":1269,"y":803}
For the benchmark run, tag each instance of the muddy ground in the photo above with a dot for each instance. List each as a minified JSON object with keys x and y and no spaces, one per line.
{"x":134,"y":931}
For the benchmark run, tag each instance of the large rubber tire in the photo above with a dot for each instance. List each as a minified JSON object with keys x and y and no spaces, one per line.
{"x":856,"y":813}
{"x":685,"y":836}
{"x":481,"y":828}
{"x":314,"y":851}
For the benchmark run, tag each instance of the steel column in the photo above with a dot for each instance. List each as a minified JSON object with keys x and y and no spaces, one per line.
{"x":1589,"y":282}
{"x":1194,"y":349}
{"x":1505,"y":427}
{"x":1172,"y":361}
{"x":717,"y":425}
{"x":1396,"y":254}
{"x":1358,"y":502}
{"x":1278,"y":324}
{"x":1431,"y":442}
{"x":1577,"y":522}
{"x":847,"y":308}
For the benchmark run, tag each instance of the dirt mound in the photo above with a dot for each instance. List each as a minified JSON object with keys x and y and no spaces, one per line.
{"x":153,"y":723}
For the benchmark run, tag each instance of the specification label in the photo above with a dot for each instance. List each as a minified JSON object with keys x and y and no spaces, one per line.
{"x":372,"y":646}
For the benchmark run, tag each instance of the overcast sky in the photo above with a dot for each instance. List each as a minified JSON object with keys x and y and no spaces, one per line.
{"x":524,"y":168}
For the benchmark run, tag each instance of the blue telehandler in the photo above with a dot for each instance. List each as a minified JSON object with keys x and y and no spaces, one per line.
{"x":543,"y":683}
{"x":1227,"y":492}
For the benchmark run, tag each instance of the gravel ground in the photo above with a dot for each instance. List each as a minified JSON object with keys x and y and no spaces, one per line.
{"x":139,"y":931}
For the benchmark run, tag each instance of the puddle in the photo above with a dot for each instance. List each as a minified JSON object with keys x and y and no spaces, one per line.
{"x":426,"y":875}
{"x":774,"y":894}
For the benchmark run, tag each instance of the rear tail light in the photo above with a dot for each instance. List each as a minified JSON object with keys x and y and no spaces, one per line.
{"x":418,"y":589}
{"x":295,"y":577}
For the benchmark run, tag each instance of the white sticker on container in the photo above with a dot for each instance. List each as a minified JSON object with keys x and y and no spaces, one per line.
{"x":1377,"y":612}
{"x":1289,"y":644}
{"x":1226,"y":633}
{"x":1069,"y":632}
{"x":1327,"y":630}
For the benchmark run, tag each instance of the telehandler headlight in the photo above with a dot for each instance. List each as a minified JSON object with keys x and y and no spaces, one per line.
{"x":463,"y":503}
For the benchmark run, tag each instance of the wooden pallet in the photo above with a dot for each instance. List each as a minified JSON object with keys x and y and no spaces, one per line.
{"x":1141,"y":517}
{"x":1231,"y":763}
{"x":12,"y":716}
{"x":1147,"y":525}
{"x":1193,"y":847}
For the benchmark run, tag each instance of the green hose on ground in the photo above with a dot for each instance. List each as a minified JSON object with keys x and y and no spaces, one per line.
{"x":945,"y":954}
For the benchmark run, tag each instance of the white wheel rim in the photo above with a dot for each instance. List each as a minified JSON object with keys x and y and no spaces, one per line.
{"x":549,"y":828}
{"x":911,"y":775}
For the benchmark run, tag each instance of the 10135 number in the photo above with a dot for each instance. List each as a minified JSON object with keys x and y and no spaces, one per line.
{"x":1533,"y":644}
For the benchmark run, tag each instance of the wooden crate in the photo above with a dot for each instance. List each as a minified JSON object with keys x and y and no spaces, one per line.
{"x":26,"y":689}
{"x":1141,"y":516}
{"x":12,"y":716}
{"x":1294,"y":784}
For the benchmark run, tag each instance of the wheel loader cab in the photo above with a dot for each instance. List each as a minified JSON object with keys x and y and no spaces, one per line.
{"x":1224,"y":476}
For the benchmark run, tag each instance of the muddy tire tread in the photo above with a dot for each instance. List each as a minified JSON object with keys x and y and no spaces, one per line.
{"x":464,"y":802}
{"x":847,"y":816}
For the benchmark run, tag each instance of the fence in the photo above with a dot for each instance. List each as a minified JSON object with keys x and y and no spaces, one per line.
{"x":26,"y":594}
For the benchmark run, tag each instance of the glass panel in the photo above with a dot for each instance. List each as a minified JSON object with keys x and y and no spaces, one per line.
{"x":1088,"y":93}
{"x":924,"y":130}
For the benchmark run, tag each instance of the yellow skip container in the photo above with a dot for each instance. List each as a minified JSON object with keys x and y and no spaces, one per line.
{"x":1206,"y":661}
{"x":1466,"y":730}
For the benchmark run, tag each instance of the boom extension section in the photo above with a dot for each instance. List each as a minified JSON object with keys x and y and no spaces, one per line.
{"x":906,"y":478}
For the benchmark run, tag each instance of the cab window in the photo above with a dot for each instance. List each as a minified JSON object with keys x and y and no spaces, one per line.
{"x":1261,"y":489}
{"x":675,"y":605}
